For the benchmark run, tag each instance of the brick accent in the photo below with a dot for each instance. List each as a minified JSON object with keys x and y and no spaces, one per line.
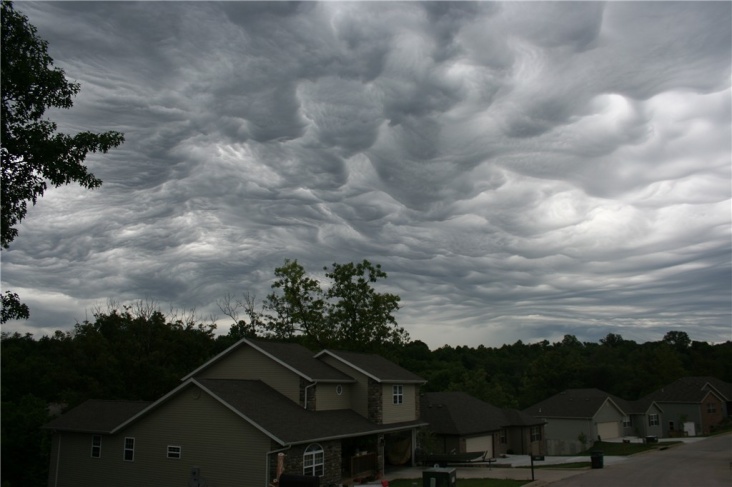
{"x":331,"y":466}
{"x":376,"y":404}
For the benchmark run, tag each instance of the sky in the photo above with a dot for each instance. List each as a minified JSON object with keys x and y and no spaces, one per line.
{"x":521,"y":171}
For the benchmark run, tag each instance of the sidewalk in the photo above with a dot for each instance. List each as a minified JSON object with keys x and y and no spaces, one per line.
{"x":541,"y":476}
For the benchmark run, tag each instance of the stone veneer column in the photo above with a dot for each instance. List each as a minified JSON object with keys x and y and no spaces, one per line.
{"x":376,"y":404}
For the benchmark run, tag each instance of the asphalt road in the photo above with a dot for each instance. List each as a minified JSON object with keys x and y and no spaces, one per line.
{"x":706,"y":463}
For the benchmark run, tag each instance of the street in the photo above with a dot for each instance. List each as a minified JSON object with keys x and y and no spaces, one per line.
{"x":705,"y":463}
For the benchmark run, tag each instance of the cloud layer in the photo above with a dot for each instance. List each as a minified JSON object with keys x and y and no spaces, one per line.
{"x":520,"y":170}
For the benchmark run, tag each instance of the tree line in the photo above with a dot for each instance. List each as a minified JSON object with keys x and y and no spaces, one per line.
{"x":139,"y":352}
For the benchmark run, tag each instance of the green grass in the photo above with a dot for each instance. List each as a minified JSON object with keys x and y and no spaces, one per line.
{"x":624,"y":449}
{"x":464,"y":482}
{"x":560,"y":465}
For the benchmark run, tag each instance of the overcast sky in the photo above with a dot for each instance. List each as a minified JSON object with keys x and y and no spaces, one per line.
{"x":520,"y":170}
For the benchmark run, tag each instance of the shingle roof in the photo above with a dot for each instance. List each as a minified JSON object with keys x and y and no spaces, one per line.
{"x":97,"y":416}
{"x":291,"y":355}
{"x":287,"y":421}
{"x":302,"y":360}
{"x":374,"y":366}
{"x":572,"y":403}
{"x":514,"y":417}
{"x":691,"y":390}
{"x":458,"y":413}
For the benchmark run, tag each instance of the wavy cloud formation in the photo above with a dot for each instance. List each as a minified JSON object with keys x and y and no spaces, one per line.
{"x":521,"y":170}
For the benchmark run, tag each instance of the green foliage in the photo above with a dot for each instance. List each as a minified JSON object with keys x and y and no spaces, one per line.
{"x":348,"y":315}
{"x":12,"y":308}
{"x":33,"y":154}
{"x":26,"y":447}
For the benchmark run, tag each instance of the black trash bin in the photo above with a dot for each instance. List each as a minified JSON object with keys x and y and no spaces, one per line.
{"x":597,"y":458}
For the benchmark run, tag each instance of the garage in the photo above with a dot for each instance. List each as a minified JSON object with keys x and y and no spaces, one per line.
{"x":481,"y":444}
{"x":608,"y":430}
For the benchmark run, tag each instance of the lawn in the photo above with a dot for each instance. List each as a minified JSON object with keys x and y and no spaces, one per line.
{"x":464,"y":483}
{"x":624,"y":449}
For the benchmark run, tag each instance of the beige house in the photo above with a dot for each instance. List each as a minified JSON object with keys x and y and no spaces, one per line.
{"x":335,"y":415}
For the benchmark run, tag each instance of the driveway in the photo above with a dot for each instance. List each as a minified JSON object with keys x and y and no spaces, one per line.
{"x":705,"y":463}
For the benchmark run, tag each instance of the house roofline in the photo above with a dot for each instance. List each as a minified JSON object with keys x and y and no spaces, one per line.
{"x":182,"y":386}
{"x":365,"y":433}
{"x":268,"y":355}
{"x":366,"y":373}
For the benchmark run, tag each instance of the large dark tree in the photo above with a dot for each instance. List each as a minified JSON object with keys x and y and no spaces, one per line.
{"x":34,"y":155}
{"x":349,"y":314}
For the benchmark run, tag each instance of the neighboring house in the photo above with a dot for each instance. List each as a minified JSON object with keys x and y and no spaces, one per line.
{"x":334,"y":415}
{"x":643,"y":417}
{"x":461,"y":423}
{"x":576,"y":415}
{"x":693,"y":405}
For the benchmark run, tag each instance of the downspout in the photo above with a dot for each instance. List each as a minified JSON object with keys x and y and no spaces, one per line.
{"x":266,"y":462}
{"x":305,"y":406}
{"x":58,"y":461}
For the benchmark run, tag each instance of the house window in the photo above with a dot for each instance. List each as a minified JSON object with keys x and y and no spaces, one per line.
{"x":711,"y":407}
{"x":313,"y":461}
{"x":96,"y":451}
{"x":670,"y":425}
{"x":397,"y":394}
{"x":535,"y":433}
{"x":653,"y":420}
{"x":504,"y":438}
{"x":174,"y":451}
{"x":339,"y":389}
{"x":129,"y":453}
{"x":626,"y":422}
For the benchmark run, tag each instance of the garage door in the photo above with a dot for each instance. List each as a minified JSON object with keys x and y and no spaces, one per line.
{"x":608,"y":430}
{"x":480,"y":443}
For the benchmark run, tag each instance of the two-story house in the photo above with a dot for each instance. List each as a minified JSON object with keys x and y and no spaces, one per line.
{"x":334,"y":415}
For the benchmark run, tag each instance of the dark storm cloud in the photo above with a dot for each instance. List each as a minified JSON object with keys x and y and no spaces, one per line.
{"x":521,"y":170}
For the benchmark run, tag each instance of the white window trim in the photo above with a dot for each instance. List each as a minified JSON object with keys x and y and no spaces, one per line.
{"x":98,"y":447}
{"x":125,"y":449}
{"x":397,"y":394}
{"x":175,"y":452}
{"x":312,"y":458}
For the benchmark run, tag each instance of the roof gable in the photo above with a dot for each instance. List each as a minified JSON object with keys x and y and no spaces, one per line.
{"x":97,"y":416}
{"x":458,"y":413}
{"x":292,"y":356}
{"x":374,"y":366}
{"x":692,"y":390}
{"x":573,"y":403}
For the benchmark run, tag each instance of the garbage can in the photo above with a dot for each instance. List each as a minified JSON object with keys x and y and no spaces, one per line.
{"x":597,"y":459}
{"x":439,"y":477}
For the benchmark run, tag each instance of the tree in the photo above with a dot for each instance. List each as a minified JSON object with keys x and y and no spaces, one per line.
{"x":677,"y":339}
{"x":362,"y":318}
{"x":349,"y":315}
{"x":298,"y":305}
{"x":33,"y":154}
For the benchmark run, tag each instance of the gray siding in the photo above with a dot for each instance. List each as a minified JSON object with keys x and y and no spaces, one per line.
{"x":328,"y":399}
{"x":608,"y":412}
{"x":396,"y":413}
{"x":562,"y":435}
{"x":248,"y":363}
{"x":359,"y":399}
{"x":677,"y":411}
{"x":227,"y":449}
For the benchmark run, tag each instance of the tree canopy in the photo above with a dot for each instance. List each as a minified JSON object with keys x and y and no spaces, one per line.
{"x":33,"y":153}
{"x":346,"y":313}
